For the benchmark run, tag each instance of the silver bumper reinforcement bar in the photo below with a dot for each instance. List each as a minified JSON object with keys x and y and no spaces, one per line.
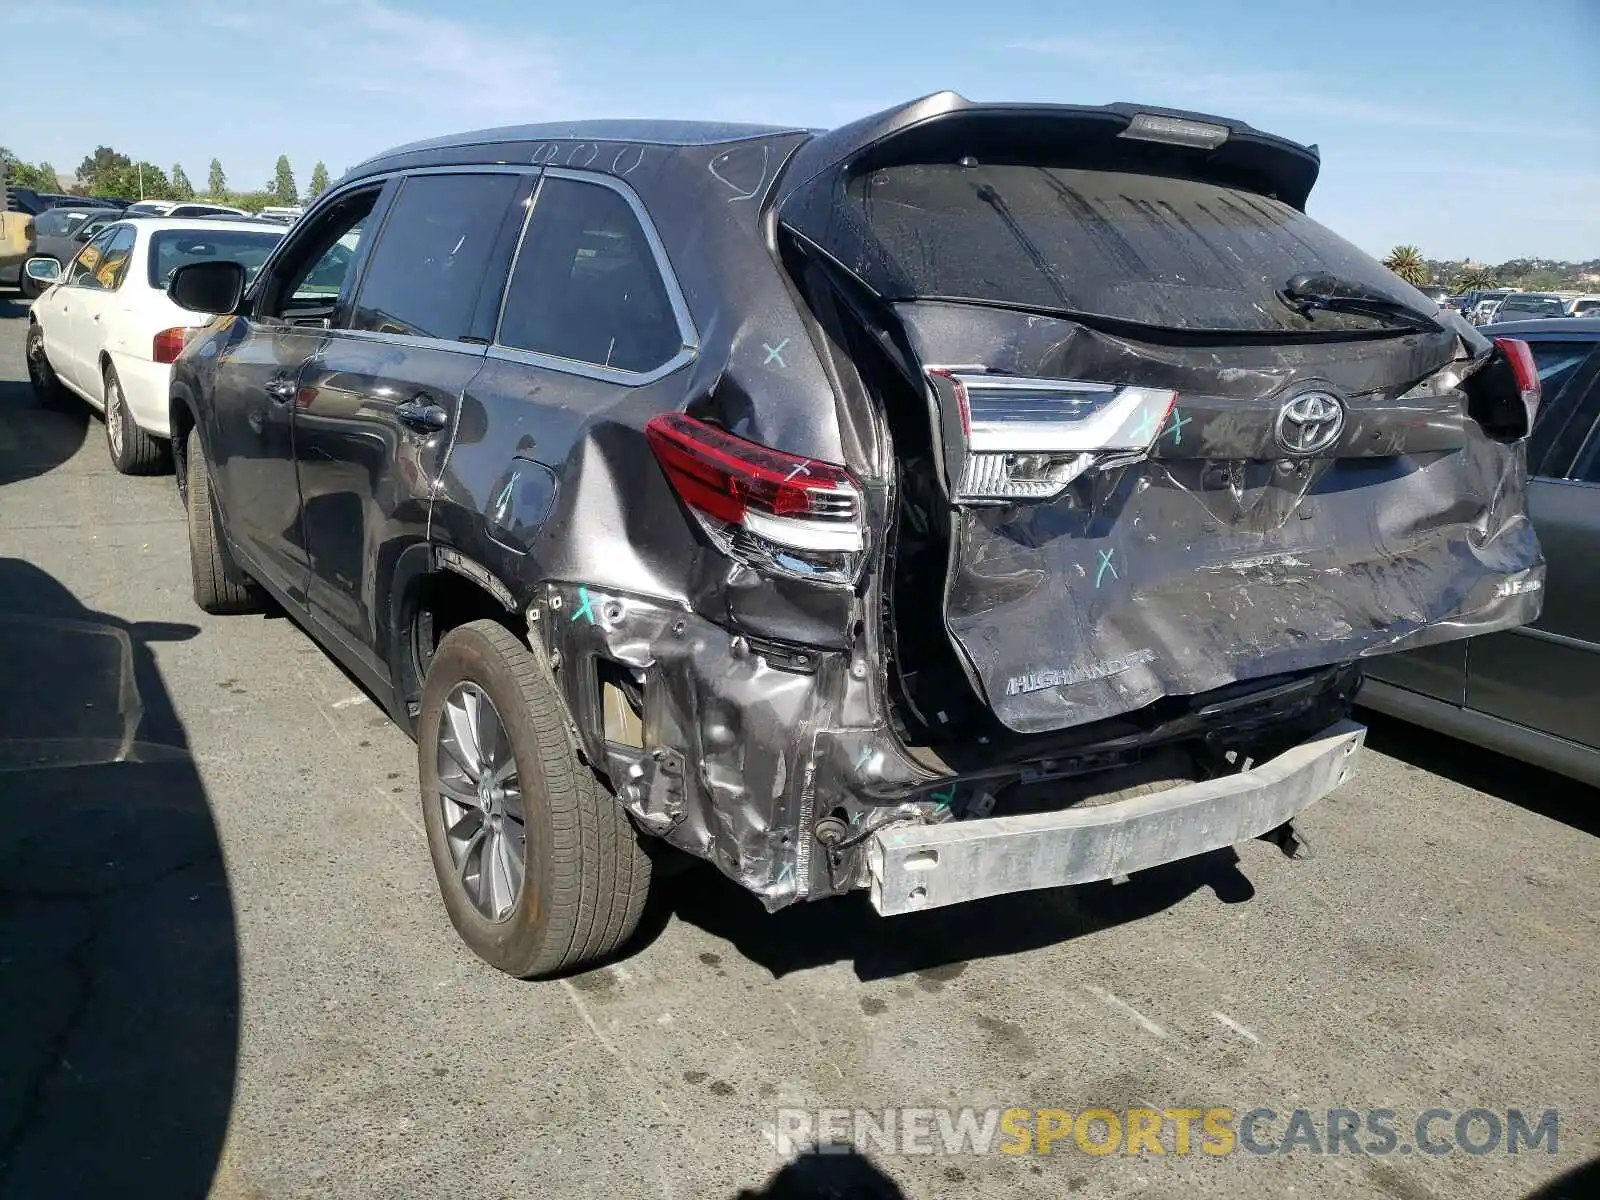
{"x":914,"y":867}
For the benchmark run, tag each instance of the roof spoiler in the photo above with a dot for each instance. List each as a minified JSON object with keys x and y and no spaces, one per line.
{"x":946,"y":126}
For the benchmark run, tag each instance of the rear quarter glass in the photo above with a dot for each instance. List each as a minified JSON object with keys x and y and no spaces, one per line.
{"x":1133,"y":247}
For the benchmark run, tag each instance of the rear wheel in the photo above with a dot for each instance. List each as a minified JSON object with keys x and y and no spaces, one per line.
{"x":539,"y":867}
{"x":132,"y":450}
{"x":213,"y":590}
{"x":41,"y":374}
{"x":30,"y":290}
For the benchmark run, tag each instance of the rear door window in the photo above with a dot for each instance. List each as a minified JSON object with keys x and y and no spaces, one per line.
{"x":436,"y":255}
{"x":587,"y":286}
{"x":1140,"y":248}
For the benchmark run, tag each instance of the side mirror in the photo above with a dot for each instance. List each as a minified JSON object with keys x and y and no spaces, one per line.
{"x":208,"y":287}
{"x":42,"y":270}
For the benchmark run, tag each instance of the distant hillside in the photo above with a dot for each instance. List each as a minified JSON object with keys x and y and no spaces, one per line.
{"x":1531,"y":274}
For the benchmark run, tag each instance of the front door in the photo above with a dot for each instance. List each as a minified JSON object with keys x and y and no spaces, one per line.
{"x":284,"y":325}
{"x":378,"y":406}
{"x":66,"y":322}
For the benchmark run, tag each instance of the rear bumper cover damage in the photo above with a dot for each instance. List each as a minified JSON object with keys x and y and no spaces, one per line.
{"x":741,"y":749}
{"x":924,"y":866}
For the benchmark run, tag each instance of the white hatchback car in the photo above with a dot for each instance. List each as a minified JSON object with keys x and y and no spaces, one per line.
{"x":106,"y":329}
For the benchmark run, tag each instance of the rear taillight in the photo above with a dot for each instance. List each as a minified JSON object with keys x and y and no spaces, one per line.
{"x":778,"y":510}
{"x":1524,"y":370}
{"x":168,"y":344}
{"x":1027,"y":439}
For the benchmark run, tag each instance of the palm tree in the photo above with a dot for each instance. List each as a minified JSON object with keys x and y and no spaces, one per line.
{"x":1406,"y":262}
{"x":1475,"y":279}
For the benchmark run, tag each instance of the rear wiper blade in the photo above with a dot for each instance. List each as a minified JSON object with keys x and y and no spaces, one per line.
{"x":1307,"y":292}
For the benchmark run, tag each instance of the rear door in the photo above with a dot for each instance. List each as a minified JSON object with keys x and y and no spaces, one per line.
{"x":1544,"y":675}
{"x":378,"y":405}
{"x":258,"y":374}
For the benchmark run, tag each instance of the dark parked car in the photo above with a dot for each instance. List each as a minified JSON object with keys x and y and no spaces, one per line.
{"x":56,"y":232}
{"x":971,"y":499}
{"x":1532,"y":692}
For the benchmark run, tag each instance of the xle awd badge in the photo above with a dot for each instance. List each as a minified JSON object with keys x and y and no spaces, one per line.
{"x":1309,"y":423}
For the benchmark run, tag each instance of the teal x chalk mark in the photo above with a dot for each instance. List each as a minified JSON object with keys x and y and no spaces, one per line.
{"x":586,"y":609}
{"x":775,"y":354}
{"x":1175,"y":426}
{"x":945,"y":798}
{"x":1143,"y":430}
{"x":1105,"y":565}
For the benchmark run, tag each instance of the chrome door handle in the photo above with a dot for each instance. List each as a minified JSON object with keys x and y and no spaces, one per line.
{"x":421,"y":415}
{"x":281,"y":390}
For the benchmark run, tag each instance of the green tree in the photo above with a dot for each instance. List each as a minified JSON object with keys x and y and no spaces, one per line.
{"x":182,"y":189}
{"x":217,"y":182}
{"x":41,"y":178}
{"x":1475,"y":279}
{"x":1406,"y":262}
{"x":136,"y":181}
{"x":283,"y":182}
{"x":97,"y":169}
{"x":319,"y":182}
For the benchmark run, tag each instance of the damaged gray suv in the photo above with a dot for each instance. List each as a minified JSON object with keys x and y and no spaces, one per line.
{"x":971,"y":499}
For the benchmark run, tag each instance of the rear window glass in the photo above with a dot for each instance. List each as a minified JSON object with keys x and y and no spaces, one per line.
{"x":1542,"y":306}
{"x":58,"y":222}
{"x":1130,"y":247}
{"x":174,"y":248}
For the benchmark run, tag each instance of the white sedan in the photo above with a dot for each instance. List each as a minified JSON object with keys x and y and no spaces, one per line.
{"x":106,"y":329}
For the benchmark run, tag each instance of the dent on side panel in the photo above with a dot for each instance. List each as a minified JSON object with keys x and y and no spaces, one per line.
{"x":741,"y":747}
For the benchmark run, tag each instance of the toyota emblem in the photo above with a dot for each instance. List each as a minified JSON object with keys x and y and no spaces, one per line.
{"x":1310,"y":422}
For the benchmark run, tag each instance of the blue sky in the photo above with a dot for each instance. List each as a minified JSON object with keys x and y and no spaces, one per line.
{"x":1469,"y":127}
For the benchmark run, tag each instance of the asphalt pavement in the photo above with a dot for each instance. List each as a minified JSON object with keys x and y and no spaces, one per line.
{"x":224,"y":963}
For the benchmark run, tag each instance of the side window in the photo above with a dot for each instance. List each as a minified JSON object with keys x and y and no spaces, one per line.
{"x":308,"y":278}
{"x":113,"y":268}
{"x":586,"y":285}
{"x":436,"y":255}
{"x":1587,"y":466}
{"x":1559,"y":363}
{"x":82,"y":272}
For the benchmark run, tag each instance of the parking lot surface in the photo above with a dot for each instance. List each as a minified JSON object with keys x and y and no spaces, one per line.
{"x":223,"y":957}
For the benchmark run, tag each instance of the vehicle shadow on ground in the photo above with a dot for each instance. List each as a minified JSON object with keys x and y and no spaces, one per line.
{"x":833,"y":1172}
{"x":119,"y":980}
{"x":35,"y":439}
{"x":933,"y":944}
{"x":1533,"y":788}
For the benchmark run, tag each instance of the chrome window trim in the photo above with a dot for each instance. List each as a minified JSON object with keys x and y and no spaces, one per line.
{"x":410,"y":341}
{"x":688,"y":337}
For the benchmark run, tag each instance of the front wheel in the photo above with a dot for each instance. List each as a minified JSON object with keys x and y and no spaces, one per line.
{"x":538,"y":865}
{"x":41,"y":375}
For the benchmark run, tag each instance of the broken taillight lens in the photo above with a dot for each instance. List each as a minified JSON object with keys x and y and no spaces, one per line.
{"x":780,"y":511}
{"x":1027,"y":439}
{"x":1524,"y":370}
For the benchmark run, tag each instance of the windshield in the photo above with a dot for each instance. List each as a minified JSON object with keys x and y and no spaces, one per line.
{"x":1125,"y":246}
{"x":174,"y":248}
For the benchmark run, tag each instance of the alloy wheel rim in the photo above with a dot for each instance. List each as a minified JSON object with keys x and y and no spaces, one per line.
{"x":480,"y":801}
{"x":114,"y":418}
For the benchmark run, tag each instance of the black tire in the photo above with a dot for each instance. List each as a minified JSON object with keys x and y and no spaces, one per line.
{"x":29,"y":289}
{"x":46,"y":387}
{"x":586,"y":875}
{"x":132,"y":450}
{"x":213,"y":590}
